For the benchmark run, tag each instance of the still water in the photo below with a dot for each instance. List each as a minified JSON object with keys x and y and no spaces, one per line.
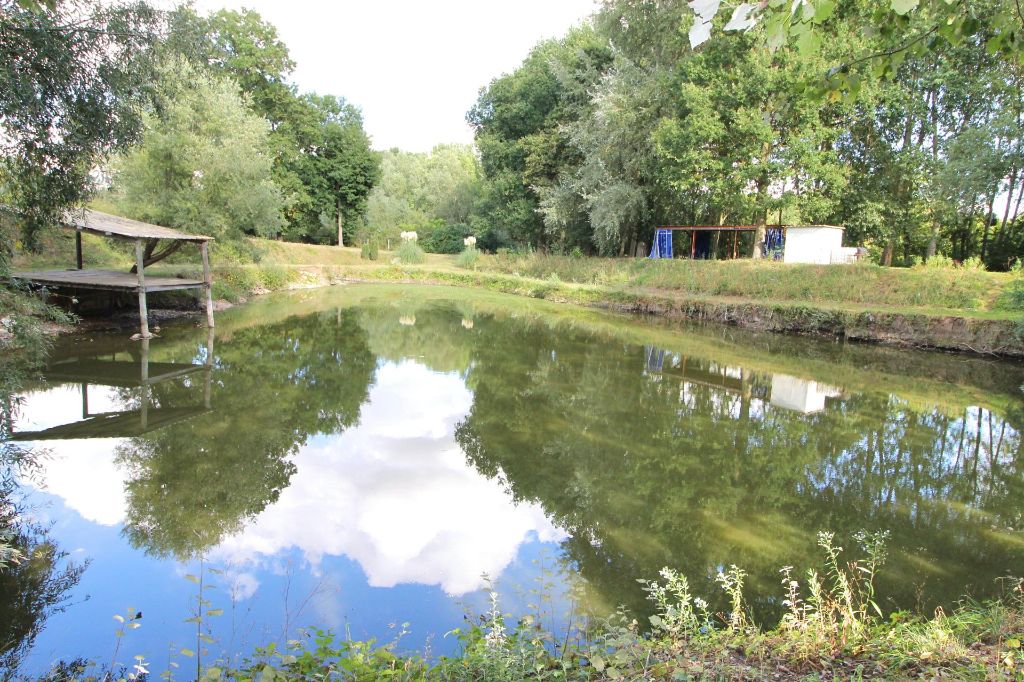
{"x":372,"y":458}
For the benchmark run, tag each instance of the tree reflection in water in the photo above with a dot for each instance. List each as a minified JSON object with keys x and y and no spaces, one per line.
{"x":192,"y":483}
{"x":650,"y":447}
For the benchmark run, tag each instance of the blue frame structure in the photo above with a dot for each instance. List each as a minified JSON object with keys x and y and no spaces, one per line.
{"x":662,"y":244}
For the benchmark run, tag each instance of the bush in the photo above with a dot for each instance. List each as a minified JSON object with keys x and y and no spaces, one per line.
{"x":447,"y":239}
{"x":468,"y":258}
{"x":370,"y":250}
{"x":410,"y":252}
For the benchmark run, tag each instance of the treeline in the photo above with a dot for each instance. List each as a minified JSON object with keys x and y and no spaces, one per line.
{"x":621,"y":126}
{"x":900,"y":120}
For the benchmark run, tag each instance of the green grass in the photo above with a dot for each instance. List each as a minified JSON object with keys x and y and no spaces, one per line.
{"x":864,"y":284}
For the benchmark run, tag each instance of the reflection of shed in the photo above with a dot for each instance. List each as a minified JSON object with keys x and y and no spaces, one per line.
{"x":139,"y":374}
{"x":147,"y":238}
{"x":802,"y":395}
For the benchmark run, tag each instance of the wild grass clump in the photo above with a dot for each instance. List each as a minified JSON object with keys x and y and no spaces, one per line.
{"x":370,"y":250}
{"x":410,"y":253}
{"x":469,"y":258}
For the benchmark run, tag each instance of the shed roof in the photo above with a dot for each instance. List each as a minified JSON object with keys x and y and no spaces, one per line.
{"x":106,"y":225}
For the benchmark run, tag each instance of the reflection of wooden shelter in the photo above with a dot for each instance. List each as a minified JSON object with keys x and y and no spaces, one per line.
{"x":147,"y":239}
{"x":140,"y":374}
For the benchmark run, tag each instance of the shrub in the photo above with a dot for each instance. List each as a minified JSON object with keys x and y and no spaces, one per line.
{"x":468,"y":258}
{"x":973,"y":263}
{"x":370,"y":250}
{"x":410,"y":252}
{"x":936,"y":262}
{"x":447,"y":239}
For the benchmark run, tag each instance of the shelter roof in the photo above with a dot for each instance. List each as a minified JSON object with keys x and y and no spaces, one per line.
{"x":106,"y":225}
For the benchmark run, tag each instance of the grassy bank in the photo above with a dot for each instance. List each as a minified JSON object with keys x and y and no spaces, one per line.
{"x":955,"y":309}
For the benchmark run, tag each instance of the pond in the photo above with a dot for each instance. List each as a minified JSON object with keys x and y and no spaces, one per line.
{"x":374,"y":458}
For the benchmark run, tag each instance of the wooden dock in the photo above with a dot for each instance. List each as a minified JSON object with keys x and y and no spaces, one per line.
{"x":147,"y":239}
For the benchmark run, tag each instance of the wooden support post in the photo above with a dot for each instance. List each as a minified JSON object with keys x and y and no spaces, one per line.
{"x":735,"y":239}
{"x":144,"y":380}
{"x":85,"y":401}
{"x":143,"y":313}
{"x":78,"y":248}
{"x":207,"y":282}
{"x":693,"y":244}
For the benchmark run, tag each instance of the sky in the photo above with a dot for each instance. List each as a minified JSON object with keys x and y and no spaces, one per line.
{"x":413,"y":67}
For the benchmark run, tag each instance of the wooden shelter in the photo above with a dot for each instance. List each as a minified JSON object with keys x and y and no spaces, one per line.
{"x":147,"y":239}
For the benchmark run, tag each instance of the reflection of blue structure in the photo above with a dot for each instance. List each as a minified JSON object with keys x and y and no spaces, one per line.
{"x":655,"y":357}
{"x":662,"y":244}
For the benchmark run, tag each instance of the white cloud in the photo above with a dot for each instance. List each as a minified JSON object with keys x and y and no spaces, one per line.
{"x":397,"y":496}
{"x":81,"y":472}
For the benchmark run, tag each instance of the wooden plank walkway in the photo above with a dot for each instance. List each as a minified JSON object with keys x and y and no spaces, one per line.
{"x":107,"y":279}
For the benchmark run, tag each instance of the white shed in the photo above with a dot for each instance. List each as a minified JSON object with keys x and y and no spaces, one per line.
{"x":821,"y":244}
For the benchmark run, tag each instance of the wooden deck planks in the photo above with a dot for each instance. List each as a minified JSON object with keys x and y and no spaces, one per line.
{"x":107,"y":279}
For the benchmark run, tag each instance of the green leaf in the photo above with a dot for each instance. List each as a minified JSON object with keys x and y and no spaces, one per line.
{"x":192,"y":578}
{"x":823,"y":10}
{"x":809,"y":43}
{"x":215,"y":612}
{"x":904,"y":7}
{"x":776,"y":33}
{"x":598,"y":662}
{"x":188,"y":652}
{"x":1013,"y":643}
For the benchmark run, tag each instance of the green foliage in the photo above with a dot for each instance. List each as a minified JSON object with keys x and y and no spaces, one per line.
{"x":410,"y":253}
{"x":416,"y":188}
{"x":201,"y":166}
{"x":447,"y":239}
{"x":469,"y":258}
{"x":74,"y":97}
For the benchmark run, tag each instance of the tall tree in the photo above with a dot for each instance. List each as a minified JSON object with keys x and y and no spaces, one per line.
{"x":203,"y":164}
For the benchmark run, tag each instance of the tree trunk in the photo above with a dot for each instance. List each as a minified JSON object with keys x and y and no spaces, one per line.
{"x":933,"y":240}
{"x":887,"y":254}
{"x":341,"y":240}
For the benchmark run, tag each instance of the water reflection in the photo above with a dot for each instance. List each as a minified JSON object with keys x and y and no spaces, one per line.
{"x":395,"y":494}
{"x":428,"y":438}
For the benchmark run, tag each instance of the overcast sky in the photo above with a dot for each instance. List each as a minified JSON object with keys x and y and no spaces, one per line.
{"x":414,"y":67}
